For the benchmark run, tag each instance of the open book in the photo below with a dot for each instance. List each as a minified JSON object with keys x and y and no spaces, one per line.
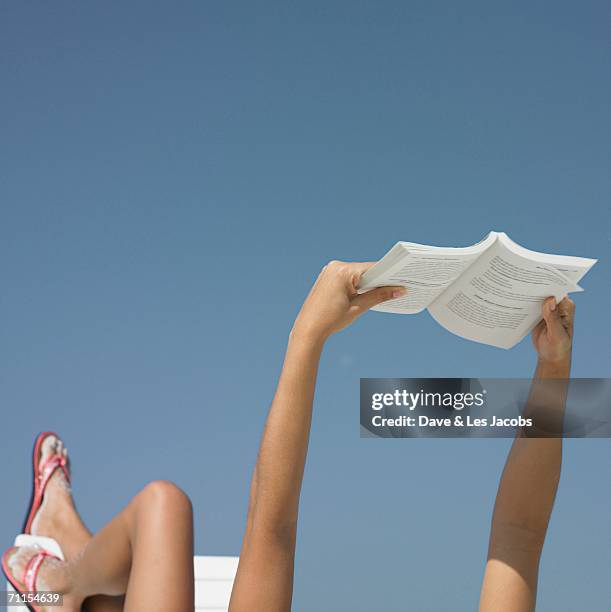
{"x":490,"y":292}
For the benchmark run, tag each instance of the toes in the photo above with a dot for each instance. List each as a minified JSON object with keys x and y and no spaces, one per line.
{"x":18,"y":559}
{"x":53,"y":446}
{"x":48,"y":447}
{"x":49,"y":574}
{"x":13,"y":560}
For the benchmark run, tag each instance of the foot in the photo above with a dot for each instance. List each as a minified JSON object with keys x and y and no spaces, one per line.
{"x":57,"y":517}
{"x":53,"y":576}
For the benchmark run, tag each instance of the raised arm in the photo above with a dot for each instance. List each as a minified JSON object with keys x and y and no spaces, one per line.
{"x":264,"y":582}
{"x":530,"y":479}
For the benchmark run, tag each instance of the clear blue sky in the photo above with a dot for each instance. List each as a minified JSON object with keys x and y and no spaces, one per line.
{"x":172,"y":177}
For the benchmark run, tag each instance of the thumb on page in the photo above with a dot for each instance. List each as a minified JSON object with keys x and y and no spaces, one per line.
{"x":372,"y":298}
{"x":552,"y":318}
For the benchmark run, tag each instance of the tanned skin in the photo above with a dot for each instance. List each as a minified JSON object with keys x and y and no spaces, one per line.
{"x":528,"y":486}
{"x":264,"y":581}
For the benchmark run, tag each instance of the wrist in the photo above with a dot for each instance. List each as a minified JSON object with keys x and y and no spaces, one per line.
{"x":308,"y":338}
{"x":554,"y":368}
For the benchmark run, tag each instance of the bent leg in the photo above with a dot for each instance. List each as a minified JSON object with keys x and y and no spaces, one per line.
{"x":144,"y":553}
{"x":161,"y":527}
{"x":59,"y":519}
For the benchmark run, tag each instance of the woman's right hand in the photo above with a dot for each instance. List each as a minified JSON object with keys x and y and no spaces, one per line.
{"x":334,"y":303}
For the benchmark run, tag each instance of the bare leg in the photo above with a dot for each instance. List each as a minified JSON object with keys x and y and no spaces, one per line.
{"x":59,"y":519}
{"x":144,"y":553}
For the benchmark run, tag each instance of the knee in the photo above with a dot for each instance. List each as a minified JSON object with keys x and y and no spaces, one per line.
{"x":164,"y":495}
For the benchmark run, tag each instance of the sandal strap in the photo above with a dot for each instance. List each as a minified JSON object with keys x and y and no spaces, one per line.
{"x":48,"y":467}
{"x":33,"y":568}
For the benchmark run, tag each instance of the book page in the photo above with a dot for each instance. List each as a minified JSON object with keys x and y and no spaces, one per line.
{"x":498,"y":299}
{"x":574,"y":268}
{"x":426,"y":271}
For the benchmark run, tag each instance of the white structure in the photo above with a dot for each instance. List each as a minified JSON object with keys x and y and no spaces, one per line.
{"x":213,"y":576}
{"x":213,"y":582}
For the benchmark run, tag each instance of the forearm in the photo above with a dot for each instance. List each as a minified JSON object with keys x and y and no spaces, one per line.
{"x":530,"y":479}
{"x":526,"y":494}
{"x":278,"y":476}
{"x":264,"y":580}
